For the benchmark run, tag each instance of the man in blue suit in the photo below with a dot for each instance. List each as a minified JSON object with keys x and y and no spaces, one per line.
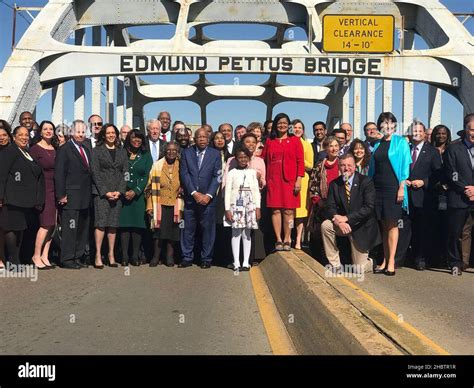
{"x":200,"y":170}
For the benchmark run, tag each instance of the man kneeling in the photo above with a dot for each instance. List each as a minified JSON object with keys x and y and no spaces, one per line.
{"x":350,"y":205}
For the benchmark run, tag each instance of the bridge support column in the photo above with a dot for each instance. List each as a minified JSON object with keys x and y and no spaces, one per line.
{"x":110,"y":90}
{"x":79,"y":83}
{"x":356,"y":125}
{"x":408,"y":87}
{"x":345,"y":104}
{"x":370,"y":100}
{"x":120,"y":102}
{"x":387,"y":95}
{"x":434,"y":106}
{"x":96,"y":94}
{"x":129,"y":102}
{"x":57,"y":115}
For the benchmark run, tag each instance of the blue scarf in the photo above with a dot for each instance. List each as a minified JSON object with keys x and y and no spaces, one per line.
{"x":400,"y":159}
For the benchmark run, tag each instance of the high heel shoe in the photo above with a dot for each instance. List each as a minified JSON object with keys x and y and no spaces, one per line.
{"x":389,"y":273}
{"x":38,"y":267}
{"x":98,"y":266}
{"x":379,"y":271}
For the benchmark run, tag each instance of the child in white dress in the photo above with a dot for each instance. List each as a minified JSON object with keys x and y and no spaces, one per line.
{"x":242,"y":206}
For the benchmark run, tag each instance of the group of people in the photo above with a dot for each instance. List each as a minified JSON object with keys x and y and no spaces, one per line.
{"x":169,"y":194}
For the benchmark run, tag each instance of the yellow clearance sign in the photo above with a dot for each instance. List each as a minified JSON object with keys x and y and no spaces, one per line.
{"x":358,"y":33}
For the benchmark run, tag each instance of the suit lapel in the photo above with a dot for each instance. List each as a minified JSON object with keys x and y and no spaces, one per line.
{"x":75,"y":151}
{"x":355,"y":188}
{"x":342,"y":193}
{"x":421,"y":156}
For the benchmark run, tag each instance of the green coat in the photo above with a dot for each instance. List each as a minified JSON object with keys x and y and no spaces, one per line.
{"x":133,"y":212}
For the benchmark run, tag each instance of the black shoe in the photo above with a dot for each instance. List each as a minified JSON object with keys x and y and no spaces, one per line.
{"x":154,"y":263}
{"x":205,"y":266}
{"x":170,"y":263}
{"x":465,"y":266}
{"x":420,"y":267}
{"x":125,"y":262}
{"x":70,"y":264}
{"x":113,"y":265}
{"x":136,"y":263}
{"x":99,"y":266}
{"x":245,"y":269}
{"x":231,"y":266}
{"x":82,"y":265}
{"x":456,"y":271}
{"x":389,"y":273}
{"x":185,"y":264}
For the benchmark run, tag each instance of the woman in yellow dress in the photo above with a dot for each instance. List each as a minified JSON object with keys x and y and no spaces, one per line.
{"x":302,"y":211}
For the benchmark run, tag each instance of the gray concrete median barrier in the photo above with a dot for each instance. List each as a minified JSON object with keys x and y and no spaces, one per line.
{"x":327,"y":315}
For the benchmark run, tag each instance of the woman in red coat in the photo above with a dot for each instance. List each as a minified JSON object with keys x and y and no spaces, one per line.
{"x":283,"y":155}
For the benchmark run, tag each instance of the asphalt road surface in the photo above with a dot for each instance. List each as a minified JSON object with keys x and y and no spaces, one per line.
{"x":148,"y":311}
{"x":433,"y":301}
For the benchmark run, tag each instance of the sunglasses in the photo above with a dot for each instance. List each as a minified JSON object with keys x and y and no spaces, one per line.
{"x":99,"y":124}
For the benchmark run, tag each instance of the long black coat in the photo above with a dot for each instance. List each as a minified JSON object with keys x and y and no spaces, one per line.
{"x":72,"y":177}
{"x":360,"y":211}
{"x":21,"y":180}
{"x":458,"y":174}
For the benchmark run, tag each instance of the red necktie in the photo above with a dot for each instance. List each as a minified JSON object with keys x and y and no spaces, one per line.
{"x":163,"y":137}
{"x":413,"y":157}
{"x":83,"y":156}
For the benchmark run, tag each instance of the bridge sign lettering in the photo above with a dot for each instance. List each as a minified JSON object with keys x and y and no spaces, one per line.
{"x":358,"y":33}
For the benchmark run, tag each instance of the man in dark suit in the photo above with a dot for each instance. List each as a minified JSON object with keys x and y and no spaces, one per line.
{"x":350,"y":205}
{"x":200,"y":170}
{"x":73,"y":185}
{"x":424,"y":173}
{"x":320,"y":133}
{"x":155,"y":140}
{"x":459,"y":173}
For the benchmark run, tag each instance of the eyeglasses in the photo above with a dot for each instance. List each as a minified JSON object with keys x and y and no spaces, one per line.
{"x":99,"y":124}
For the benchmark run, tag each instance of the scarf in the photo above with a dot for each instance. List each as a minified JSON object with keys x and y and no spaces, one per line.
{"x":324,"y":187}
{"x":154,"y":198}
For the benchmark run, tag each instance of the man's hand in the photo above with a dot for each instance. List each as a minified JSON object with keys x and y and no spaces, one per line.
{"x":150,"y":212}
{"x":205,"y":199}
{"x":338,"y":219}
{"x":345,"y":228}
{"x":258,"y":214}
{"x":228,"y":216}
{"x":63,"y":201}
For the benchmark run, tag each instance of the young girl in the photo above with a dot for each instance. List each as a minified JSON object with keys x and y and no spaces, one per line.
{"x":242,"y":206}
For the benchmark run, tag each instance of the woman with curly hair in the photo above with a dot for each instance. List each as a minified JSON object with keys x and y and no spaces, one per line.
{"x":360,"y":151}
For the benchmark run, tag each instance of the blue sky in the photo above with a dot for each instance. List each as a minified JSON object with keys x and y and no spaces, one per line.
{"x":238,"y":111}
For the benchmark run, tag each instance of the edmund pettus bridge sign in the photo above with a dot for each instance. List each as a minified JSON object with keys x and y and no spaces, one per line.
{"x":350,"y":41}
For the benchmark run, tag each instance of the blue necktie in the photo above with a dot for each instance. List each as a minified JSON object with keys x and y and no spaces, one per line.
{"x":201,"y":155}
{"x":154,"y":152}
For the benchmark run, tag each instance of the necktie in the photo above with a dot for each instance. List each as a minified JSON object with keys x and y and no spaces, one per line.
{"x":348,"y":192}
{"x":163,"y":137}
{"x":201,"y":155}
{"x":154,"y":151}
{"x":413,"y":157}
{"x":83,"y":155}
